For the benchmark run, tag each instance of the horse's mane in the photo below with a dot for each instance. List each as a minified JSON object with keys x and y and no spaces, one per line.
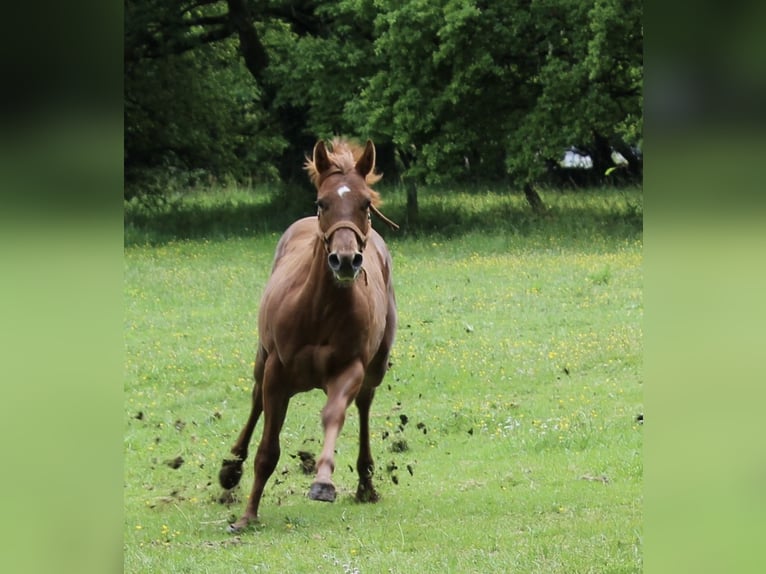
{"x":343,"y":154}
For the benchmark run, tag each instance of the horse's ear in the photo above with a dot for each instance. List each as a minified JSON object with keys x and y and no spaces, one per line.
{"x":320,"y":159}
{"x":366,"y":162}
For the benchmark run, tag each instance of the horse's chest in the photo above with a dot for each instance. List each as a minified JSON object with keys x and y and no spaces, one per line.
{"x":316,"y":342}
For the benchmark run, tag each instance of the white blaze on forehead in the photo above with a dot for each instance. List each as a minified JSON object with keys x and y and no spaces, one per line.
{"x":343,"y":190}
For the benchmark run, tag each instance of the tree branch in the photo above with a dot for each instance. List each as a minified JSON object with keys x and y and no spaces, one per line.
{"x":250,"y":46}
{"x":220,"y":20}
{"x":197,"y":4}
{"x":152,"y":46}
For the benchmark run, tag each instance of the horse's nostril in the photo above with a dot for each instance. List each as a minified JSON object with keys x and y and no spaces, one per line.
{"x":357,"y":261}
{"x":334,"y":261}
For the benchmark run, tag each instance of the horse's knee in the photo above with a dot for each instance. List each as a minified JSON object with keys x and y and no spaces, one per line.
{"x":334,"y":413}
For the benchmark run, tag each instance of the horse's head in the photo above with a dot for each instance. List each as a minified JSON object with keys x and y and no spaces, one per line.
{"x":344,"y":202}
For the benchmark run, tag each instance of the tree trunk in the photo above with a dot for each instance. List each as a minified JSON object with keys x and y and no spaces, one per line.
{"x":250,"y":45}
{"x":534,"y":200}
{"x":412,"y":202}
{"x":403,"y":161}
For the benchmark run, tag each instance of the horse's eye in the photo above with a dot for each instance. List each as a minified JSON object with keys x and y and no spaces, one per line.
{"x":366,"y":205}
{"x":320,"y":204}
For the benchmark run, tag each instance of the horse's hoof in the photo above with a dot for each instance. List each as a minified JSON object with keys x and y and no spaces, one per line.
{"x":366,"y":494}
{"x":322,"y":491}
{"x":230,"y":473}
{"x":238,"y":526}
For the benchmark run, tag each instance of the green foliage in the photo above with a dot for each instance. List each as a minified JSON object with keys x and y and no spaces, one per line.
{"x":438,"y":87}
{"x":318,"y":73}
{"x":471,"y":89}
{"x":518,"y":367}
{"x":460,"y":90}
{"x":589,"y":80}
{"x":400,"y":101}
{"x":198,"y":112}
{"x":615,"y":60}
{"x":193,"y":113}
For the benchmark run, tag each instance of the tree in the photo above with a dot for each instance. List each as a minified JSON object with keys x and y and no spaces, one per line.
{"x":225,"y":87}
{"x":472,"y":88}
{"x":587,"y":86}
{"x":462,"y":90}
{"x":191,"y":107}
{"x":319,"y":58}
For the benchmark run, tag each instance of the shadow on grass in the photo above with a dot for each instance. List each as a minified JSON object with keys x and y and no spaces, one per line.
{"x":197,"y":222}
{"x":444,"y":216}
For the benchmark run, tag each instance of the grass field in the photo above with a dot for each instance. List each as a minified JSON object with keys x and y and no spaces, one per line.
{"x":505,"y":436}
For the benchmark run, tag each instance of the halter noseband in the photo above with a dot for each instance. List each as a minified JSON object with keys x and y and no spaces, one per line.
{"x":346,"y":225}
{"x":363,"y":237}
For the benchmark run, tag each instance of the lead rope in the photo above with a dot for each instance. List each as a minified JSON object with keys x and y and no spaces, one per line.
{"x":385,"y":219}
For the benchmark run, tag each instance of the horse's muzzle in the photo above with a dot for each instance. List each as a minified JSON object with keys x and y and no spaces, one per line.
{"x":345,"y":266}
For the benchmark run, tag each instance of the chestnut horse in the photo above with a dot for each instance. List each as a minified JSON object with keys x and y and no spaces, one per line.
{"x":327,"y":321}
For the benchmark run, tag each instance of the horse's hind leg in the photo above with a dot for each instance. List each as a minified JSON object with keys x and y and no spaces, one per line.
{"x":231,"y":469}
{"x":275,"y":400}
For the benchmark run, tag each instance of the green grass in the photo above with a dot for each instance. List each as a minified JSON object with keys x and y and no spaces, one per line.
{"x":517,"y":365}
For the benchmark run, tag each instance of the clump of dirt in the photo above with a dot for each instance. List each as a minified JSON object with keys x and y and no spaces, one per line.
{"x":399,"y":445}
{"x":175,"y":462}
{"x":228,"y":497}
{"x":391,"y":469}
{"x":308,"y":462}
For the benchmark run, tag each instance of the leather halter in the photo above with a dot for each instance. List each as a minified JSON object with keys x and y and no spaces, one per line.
{"x":344,"y":225}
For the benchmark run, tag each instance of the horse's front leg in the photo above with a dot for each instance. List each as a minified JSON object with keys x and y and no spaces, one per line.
{"x":365,"y":465}
{"x":341,"y":390}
